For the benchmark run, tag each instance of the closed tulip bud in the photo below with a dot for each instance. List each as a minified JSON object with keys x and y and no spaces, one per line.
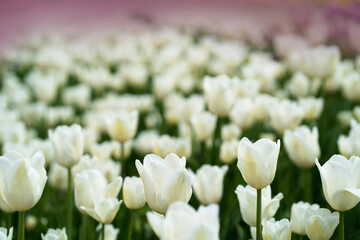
{"x":165,"y":180}
{"x":348,"y":145}
{"x":243,"y":114}
{"x":133,"y":193}
{"x":341,"y":181}
{"x":95,"y":197}
{"x":279,"y":230}
{"x":203,"y":125}
{"x":68,"y":143}
{"x":123,"y":126}
{"x":23,"y":181}
{"x":208,"y":183}
{"x":219,"y":94}
{"x":302,"y":146}
{"x":111,"y":233}
{"x":312,"y":107}
{"x":4,"y":235}
{"x":320,"y":224}
{"x":183,"y":222}
{"x":230,"y":131}
{"x":247,"y":200}
{"x":257,"y":161}
{"x":55,"y":234}
{"x":298,"y":216}
{"x":228,"y":151}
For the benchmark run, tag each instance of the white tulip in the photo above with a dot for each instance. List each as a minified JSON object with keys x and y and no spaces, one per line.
{"x":320,"y":224}
{"x":204,"y":125}
{"x":230,"y":131}
{"x":183,"y":222}
{"x":341,"y":181}
{"x":122,"y":126}
{"x":228,"y":151}
{"x":243,"y":113}
{"x":302,"y":146}
{"x":208,"y":183}
{"x":257,"y":161}
{"x":165,"y":180}
{"x":5,"y":235}
{"x":312,"y":107}
{"x":279,"y":230}
{"x":298,"y":216}
{"x":68,"y":143}
{"x":111,"y":233}
{"x":55,"y":234}
{"x":133,"y":193}
{"x":166,"y":144}
{"x":349,"y":145}
{"x":23,"y":181}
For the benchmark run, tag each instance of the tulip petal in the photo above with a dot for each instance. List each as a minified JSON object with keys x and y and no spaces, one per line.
{"x":156,"y":222}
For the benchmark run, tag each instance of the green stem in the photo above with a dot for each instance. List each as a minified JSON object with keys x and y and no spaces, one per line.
{"x":308,"y":186}
{"x":10,"y":220}
{"x":21,"y":226}
{"x":69,"y":205}
{"x":122,"y":153}
{"x":83,"y":227}
{"x":91,"y":229}
{"x":341,"y":226}
{"x":301,"y":237}
{"x":131,"y":224}
{"x":258,"y":214}
{"x":215,"y":143}
{"x":103,"y":231}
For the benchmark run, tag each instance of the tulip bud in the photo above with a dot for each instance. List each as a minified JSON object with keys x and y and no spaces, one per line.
{"x":123,"y":126}
{"x":312,"y":107}
{"x":23,"y":181}
{"x":208,"y":183}
{"x":201,"y":225}
{"x":228,"y":151}
{"x":243,"y":114}
{"x":55,"y":234}
{"x":302,"y":146}
{"x":133,"y":193}
{"x":298,"y":216}
{"x":348,"y":145}
{"x":257,"y":161}
{"x":279,"y":230}
{"x":230,"y":131}
{"x":4,"y":235}
{"x":111,"y":233}
{"x":95,"y":197}
{"x":340,"y":181}
{"x":68,"y":144}
{"x":247,"y":200}
{"x":203,"y":125}
{"x":165,"y":180}
{"x":320,"y":224}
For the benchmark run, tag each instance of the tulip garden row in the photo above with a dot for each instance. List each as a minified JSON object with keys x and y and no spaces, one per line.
{"x":170,"y":134}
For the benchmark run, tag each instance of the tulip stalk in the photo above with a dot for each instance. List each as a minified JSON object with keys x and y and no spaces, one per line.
{"x":69,"y":205}
{"x":216,"y":136}
{"x":21,"y":226}
{"x":9,"y":221}
{"x":308,"y":186}
{"x":91,"y":230}
{"x":83,"y":227}
{"x":103,"y":231}
{"x":258,"y":214}
{"x":131,"y":224}
{"x":341,"y":226}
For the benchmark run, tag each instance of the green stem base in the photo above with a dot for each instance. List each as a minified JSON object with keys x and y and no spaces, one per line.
{"x":258,"y":214}
{"x":21,"y":226}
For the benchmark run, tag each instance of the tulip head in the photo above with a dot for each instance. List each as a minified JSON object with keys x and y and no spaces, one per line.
{"x":279,"y":230}
{"x":123,"y":126}
{"x":5,"y":235}
{"x":298,"y":216}
{"x":133,"y":193}
{"x":320,"y":224}
{"x":55,"y":234}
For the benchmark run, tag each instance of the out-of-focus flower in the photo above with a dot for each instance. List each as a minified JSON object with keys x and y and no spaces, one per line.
{"x":344,"y":118}
{"x":247,"y":200}
{"x":68,"y":143}
{"x":228,"y":150}
{"x":279,"y":230}
{"x":182,"y":221}
{"x":320,"y":224}
{"x":299,"y":85}
{"x":284,"y":44}
{"x":55,"y":234}
{"x":302,"y":146}
{"x":351,"y":86}
{"x":312,"y":107}
{"x":285,"y":115}
{"x":298,"y":216}
{"x":257,"y":161}
{"x":23,"y":181}
{"x":95,"y":197}
{"x":230,"y":131}
{"x":5,"y":235}
{"x":166,"y":145}
{"x":203,"y":125}
{"x":111,"y":233}
{"x":123,"y":126}
{"x":30,"y":222}
{"x":165,"y":180}
{"x":243,"y":113}
{"x":219,"y":94}
{"x":341,"y":181}
{"x":145,"y":141}
{"x":208,"y":183}
{"x":77,"y":96}
{"x":319,"y":61}
{"x":133,"y":193}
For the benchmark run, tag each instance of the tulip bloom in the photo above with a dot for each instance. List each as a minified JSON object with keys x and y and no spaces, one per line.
{"x":247,"y":200}
{"x":165,"y":180}
{"x":298,"y":216}
{"x":183,"y":222}
{"x":208,"y":183}
{"x":5,"y":235}
{"x":341,"y":181}
{"x":55,"y":234}
{"x":257,"y":161}
{"x":204,"y":125}
{"x":23,"y":180}
{"x":133,"y":193}
{"x":320,"y":224}
{"x":279,"y":230}
{"x":123,"y":126}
